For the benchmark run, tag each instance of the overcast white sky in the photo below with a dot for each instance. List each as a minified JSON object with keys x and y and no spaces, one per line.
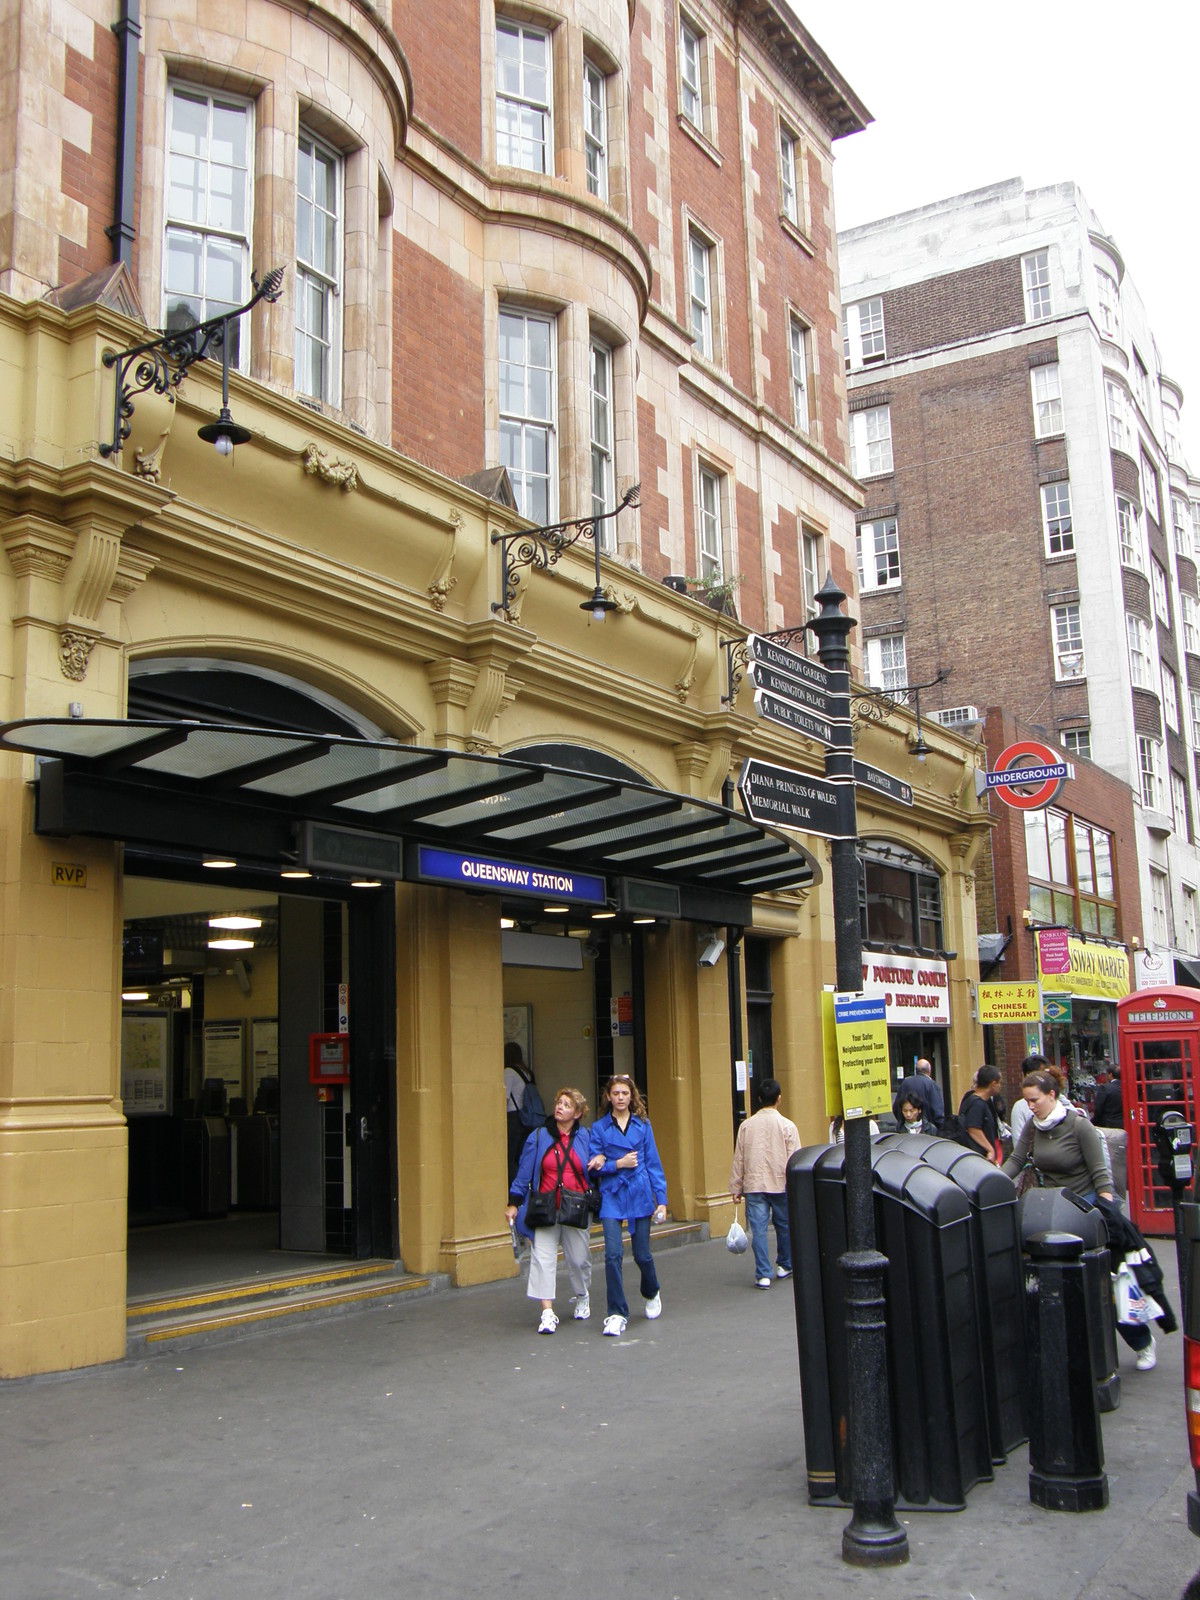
{"x":965,"y":94}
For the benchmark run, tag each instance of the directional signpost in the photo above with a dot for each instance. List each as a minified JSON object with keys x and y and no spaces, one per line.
{"x":784,"y":798}
{"x":790,"y":689}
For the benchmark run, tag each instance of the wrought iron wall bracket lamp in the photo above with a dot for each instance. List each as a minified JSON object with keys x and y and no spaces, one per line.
{"x":539,"y":548}
{"x":160,"y":365}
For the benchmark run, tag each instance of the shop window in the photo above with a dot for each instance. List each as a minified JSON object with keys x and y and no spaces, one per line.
{"x":527,"y":447}
{"x":206,"y":250}
{"x":899,"y":896}
{"x":318,"y":269}
{"x":524,"y":129}
{"x":1070,"y":865}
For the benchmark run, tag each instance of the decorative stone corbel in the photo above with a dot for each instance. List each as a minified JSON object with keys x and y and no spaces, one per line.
{"x":330,"y":469}
{"x":443,"y":579}
{"x":74,"y":651}
{"x":148,"y":463}
{"x":687,"y":673}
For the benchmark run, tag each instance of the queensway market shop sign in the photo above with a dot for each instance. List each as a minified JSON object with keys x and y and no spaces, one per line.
{"x":507,"y":877}
{"x":1091,"y":971}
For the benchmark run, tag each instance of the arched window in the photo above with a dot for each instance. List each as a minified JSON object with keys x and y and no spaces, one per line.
{"x":899,"y":897}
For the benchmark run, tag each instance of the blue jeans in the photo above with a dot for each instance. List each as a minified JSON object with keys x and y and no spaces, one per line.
{"x":757,"y":1207}
{"x":639,"y":1233}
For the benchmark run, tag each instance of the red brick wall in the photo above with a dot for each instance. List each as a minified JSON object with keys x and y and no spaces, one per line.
{"x":713,"y":197}
{"x":1094,"y":796}
{"x":437,"y":404}
{"x":938,"y":311}
{"x":89,"y":176}
{"x":793,"y":278}
{"x":966,"y":480}
{"x":789,"y":583}
{"x":447,"y":92}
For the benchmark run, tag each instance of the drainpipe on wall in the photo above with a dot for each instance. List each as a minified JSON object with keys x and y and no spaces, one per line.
{"x":128,"y":31}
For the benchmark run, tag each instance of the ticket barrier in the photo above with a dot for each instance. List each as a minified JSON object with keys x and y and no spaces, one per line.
{"x":939,"y":1418}
{"x":205,"y":1151}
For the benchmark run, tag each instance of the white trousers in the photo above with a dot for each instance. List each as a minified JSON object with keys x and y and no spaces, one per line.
{"x":543,"y":1261}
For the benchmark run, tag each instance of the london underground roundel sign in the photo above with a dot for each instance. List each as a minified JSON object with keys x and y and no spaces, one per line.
{"x":1028,"y":774}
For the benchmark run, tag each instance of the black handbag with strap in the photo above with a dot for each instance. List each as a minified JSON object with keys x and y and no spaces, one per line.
{"x":570,"y":1207}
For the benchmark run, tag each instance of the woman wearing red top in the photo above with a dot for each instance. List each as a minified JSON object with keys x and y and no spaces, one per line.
{"x":560,"y":1147}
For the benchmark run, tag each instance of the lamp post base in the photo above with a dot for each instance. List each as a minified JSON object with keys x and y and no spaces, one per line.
{"x":868,"y":1541}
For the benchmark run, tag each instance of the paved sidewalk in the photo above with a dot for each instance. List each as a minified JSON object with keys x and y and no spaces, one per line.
{"x":441,"y":1450}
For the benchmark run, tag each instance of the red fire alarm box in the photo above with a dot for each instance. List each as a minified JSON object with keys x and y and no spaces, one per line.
{"x":1158,"y":1035}
{"x":329,"y":1058}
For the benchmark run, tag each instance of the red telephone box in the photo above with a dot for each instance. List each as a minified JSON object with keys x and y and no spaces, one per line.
{"x":1158,"y":1036}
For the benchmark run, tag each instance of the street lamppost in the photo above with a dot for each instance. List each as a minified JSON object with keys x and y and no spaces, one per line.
{"x":541,"y":547}
{"x":872,"y":1537}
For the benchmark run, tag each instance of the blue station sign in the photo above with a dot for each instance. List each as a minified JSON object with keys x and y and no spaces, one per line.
{"x":461,"y":871}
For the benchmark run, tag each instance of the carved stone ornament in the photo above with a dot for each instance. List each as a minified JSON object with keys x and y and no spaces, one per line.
{"x":74,"y":649}
{"x":319,"y":463}
{"x":443,"y":579}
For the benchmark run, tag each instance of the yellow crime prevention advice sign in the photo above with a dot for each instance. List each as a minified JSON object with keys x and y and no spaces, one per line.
{"x":1009,"y":1002}
{"x":860,"y":1024}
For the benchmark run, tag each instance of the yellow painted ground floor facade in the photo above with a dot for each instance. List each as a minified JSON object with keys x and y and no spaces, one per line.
{"x":323,"y":570}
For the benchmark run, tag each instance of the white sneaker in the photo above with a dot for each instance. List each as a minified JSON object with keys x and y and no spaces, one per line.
{"x":549,"y":1321}
{"x":783,"y":1272}
{"x":762,"y":1283}
{"x":654,"y":1306}
{"x":583,"y":1308}
{"x":1148,"y":1358}
{"x":615,"y":1326}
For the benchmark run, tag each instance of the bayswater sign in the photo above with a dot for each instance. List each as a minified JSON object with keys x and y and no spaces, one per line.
{"x":915,"y":989}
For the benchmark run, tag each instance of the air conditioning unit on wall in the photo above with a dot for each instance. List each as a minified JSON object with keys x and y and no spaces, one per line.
{"x":957,"y":716}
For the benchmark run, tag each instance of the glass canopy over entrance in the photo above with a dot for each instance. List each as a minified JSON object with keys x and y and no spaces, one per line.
{"x":257,"y":793}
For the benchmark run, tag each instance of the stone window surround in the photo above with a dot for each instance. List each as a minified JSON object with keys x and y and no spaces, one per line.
{"x":279,"y":114}
{"x":570,"y":46}
{"x":576,"y":329}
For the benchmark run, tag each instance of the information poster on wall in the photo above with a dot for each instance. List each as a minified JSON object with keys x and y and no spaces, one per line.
{"x":862,"y":1046}
{"x":264,"y":1050}
{"x":223,"y":1054}
{"x":145,"y":1079}
{"x":518,"y":1028}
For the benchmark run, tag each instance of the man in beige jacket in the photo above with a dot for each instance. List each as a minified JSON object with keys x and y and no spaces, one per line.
{"x":759,"y":1171}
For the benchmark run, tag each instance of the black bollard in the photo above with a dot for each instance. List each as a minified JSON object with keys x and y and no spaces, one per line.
{"x":1066,"y":1452}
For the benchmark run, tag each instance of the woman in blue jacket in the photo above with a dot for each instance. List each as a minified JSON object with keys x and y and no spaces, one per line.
{"x":632,"y":1190}
{"x":556,"y":1153}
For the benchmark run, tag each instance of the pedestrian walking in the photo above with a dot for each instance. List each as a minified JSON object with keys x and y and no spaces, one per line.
{"x":913,"y":1116}
{"x":548,"y":1203}
{"x":978,"y":1116}
{"x":633,"y":1191}
{"x":921,"y":1083}
{"x":759,"y":1171}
